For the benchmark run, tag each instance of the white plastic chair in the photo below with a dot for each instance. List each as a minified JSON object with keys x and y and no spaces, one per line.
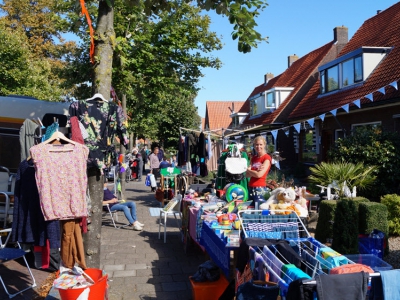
{"x":168,"y":210}
{"x":8,"y":254}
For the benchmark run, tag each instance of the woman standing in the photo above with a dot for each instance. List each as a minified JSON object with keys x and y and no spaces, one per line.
{"x":260,"y":165}
{"x":154,"y":164}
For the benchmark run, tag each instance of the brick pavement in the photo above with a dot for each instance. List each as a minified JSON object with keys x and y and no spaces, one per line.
{"x":140,"y":266}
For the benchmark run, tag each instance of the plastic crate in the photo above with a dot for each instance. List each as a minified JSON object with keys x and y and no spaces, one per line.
{"x":210,"y":290}
{"x":370,"y":260}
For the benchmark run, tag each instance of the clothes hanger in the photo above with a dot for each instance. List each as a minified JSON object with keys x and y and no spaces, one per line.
{"x":96,"y":97}
{"x":58,"y":136}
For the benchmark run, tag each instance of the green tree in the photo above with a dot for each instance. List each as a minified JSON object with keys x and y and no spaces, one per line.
{"x":37,"y":26}
{"x":370,"y":145}
{"x":158,"y":63}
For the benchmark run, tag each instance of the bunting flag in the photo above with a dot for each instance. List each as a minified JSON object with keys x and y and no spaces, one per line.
{"x":286,"y":131}
{"x":274,"y":134}
{"x":370,"y":97}
{"x":297,"y":127}
{"x":382,"y":90}
{"x":237,"y":137}
{"x":346,"y":107}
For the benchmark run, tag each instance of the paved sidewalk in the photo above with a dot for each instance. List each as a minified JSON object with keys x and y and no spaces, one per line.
{"x":140,"y":265}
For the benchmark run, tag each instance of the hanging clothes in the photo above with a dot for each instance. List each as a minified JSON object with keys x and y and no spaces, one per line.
{"x":28,"y":224}
{"x":214,"y":147}
{"x":27,"y":137}
{"x":61,"y":179}
{"x":102,"y":121}
{"x":72,"y":250}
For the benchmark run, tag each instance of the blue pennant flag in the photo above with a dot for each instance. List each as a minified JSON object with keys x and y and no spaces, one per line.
{"x":382,"y":90}
{"x":346,"y":107}
{"x":286,"y":131}
{"x":394,"y":84}
{"x":274,"y":133}
{"x":370,"y":97}
{"x":333,"y":112}
{"x":357,"y":103}
{"x":297,"y":127}
{"x":311,"y":122}
{"x":322,"y":117}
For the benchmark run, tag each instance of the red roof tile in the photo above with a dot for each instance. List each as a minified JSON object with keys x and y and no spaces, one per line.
{"x":382,"y":30}
{"x":295,"y":76}
{"x":218,"y":113}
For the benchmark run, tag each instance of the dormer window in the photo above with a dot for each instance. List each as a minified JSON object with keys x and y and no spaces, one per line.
{"x":351,"y":68}
{"x":270,"y":100}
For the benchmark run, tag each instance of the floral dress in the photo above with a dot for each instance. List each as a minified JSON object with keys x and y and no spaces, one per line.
{"x":101,"y":120}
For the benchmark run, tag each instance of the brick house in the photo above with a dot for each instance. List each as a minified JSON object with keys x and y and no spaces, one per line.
{"x":325,"y":94}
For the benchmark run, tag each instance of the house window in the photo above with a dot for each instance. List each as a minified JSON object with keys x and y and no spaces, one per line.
{"x":332,"y":78}
{"x":370,"y":125}
{"x":253,"y":108}
{"x":310,"y":146}
{"x":339,"y":134}
{"x":322,"y":86}
{"x":348,"y":72}
{"x":270,"y":100}
{"x":358,"y":76}
{"x":235,"y":121}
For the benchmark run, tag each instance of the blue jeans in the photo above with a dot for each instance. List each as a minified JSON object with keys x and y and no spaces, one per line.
{"x":129,"y":209}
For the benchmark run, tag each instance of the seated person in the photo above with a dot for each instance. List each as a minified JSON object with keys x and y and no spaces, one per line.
{"x":164,"y":164}
{"x":129,"y":208}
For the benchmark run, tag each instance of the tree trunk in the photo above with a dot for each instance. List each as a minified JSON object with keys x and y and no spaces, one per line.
{"x":92,"y":239}
{"x":104,"y":43}
{"x":104,"y":39}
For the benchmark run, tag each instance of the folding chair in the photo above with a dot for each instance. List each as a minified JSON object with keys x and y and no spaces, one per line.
{"x":168,"y":210}
{"x":9,"y":254}
{"x":114,"y":216}
{"x":7,"y":184}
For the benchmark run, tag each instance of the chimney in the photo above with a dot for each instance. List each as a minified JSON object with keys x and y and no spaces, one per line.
{"x":341,"y":37}
{"x":292,"y":59}
{"x":378,"y":11}
{"x":268,"y":77}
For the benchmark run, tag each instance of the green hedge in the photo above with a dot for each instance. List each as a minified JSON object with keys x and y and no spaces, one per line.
{"x":345,"y":227}
{"x":326,"y":215}
{"x":372,"y":216}
{"x":327,"y":208}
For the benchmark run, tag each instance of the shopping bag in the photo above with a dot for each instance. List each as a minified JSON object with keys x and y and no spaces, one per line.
{"x":236,"y":165}
{"x":147,"y":181}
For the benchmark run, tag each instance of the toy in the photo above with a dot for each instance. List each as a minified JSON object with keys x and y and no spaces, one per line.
{"x":282,"y":202}
{"x":236,"y":192}
{"x":285,"y":195}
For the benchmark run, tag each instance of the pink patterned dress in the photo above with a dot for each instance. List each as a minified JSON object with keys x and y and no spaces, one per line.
{"x":61,"y":179}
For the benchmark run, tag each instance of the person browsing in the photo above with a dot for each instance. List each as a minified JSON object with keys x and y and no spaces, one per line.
{"x":129,"y":208}
{"x":260,"y":164}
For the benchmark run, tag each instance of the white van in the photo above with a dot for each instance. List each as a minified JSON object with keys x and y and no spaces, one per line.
{"x":14,"y":110}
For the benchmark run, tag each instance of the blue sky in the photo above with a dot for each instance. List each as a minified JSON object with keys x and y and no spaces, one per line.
{"x":293,"y":27}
